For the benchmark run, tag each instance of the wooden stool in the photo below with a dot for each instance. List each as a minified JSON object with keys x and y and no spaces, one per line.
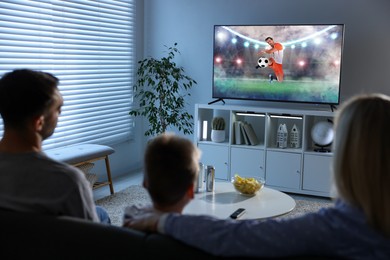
{"x":83,"y":153}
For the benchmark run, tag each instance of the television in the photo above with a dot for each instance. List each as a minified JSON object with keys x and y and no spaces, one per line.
{"x":246,"y":62}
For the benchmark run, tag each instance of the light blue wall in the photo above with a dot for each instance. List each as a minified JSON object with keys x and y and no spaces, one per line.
{"x":190,"y":23}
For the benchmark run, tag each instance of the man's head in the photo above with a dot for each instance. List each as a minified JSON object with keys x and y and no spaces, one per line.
{"x":171,"y":168}
{"x":28,"y":96}
{"x":269,"y":40}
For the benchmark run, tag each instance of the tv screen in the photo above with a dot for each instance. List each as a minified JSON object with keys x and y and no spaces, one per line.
{"x":285,"y":63}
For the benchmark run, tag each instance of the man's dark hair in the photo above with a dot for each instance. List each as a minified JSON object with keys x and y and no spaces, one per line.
{"x":25,"y":93}
{"x":269,"y":38}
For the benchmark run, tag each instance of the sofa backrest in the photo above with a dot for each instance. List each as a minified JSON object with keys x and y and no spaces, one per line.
{"x":28,"y":235}
{"x":24,"y":235}
{"x":36,"y":236}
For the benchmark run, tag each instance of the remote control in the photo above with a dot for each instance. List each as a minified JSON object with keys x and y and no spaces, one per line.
{"x":238,"y":213}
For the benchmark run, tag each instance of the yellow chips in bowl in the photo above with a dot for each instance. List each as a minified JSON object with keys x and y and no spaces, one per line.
{"x":247,"y":185}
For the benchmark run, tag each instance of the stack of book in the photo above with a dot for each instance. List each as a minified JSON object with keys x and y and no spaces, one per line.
{"x":244,"y":133}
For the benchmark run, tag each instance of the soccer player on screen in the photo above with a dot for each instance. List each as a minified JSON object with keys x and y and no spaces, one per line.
{"x":276,"y":58}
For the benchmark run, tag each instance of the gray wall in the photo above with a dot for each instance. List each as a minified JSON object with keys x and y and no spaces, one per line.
{"x":190,"y":23}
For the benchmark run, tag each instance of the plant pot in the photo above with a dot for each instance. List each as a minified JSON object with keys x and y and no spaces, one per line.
{"x":217,"y":136}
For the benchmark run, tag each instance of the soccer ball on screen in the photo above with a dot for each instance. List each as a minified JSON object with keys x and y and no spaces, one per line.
{"x":262,"y":62}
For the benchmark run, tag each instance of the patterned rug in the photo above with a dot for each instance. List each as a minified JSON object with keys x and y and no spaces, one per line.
{"x":136,"y":194}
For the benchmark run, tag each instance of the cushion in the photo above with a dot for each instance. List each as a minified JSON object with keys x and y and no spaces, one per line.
{"x":79,"y":153}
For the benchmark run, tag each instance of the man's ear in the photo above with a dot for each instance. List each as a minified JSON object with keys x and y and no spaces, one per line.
{"x":190,"y":191}
{"x":38,"y":122}
{"x":145,"y":183}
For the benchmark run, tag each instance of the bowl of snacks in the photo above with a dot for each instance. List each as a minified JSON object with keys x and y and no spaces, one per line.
{"x":248,"y":186}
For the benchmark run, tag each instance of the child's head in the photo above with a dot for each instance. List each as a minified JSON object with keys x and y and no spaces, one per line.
{"x":171,"y":168}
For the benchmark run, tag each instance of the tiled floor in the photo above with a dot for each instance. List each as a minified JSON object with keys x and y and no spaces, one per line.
{"x":120,"y":183}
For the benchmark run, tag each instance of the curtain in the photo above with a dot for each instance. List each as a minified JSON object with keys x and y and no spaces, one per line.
{"x":89,"y":46}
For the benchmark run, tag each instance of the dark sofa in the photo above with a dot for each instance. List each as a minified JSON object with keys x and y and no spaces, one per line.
{"x":35,"y":236}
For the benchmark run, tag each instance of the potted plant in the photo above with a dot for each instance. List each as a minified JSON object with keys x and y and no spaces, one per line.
{"x":161,"y":89}
{"x":218,"y":129}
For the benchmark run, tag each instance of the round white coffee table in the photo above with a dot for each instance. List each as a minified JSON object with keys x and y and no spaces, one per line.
{"x":225,"y":200}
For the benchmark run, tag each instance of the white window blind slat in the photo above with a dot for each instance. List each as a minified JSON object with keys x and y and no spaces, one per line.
{"x":89,"y":46}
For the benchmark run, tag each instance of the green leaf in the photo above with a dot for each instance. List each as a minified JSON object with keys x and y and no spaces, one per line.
{"x":161,"y":88}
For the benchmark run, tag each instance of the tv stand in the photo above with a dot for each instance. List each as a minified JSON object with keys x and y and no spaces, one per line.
{"x":333,"y":108}
{"x":302,"y":167}
{"x":215,"y":101}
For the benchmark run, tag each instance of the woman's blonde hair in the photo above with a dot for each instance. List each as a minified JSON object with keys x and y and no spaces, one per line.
{"x":361,"y":163}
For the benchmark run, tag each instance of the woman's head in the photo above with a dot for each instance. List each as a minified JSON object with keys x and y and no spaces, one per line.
{"x":361,"y":163}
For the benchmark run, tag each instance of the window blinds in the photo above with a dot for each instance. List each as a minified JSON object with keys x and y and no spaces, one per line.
{"x":89,"y":46}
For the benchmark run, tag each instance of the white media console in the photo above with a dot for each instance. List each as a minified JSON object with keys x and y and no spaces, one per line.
{"x":297,"y":169}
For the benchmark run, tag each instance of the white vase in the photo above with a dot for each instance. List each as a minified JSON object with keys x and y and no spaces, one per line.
{"x":217,"y":136}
